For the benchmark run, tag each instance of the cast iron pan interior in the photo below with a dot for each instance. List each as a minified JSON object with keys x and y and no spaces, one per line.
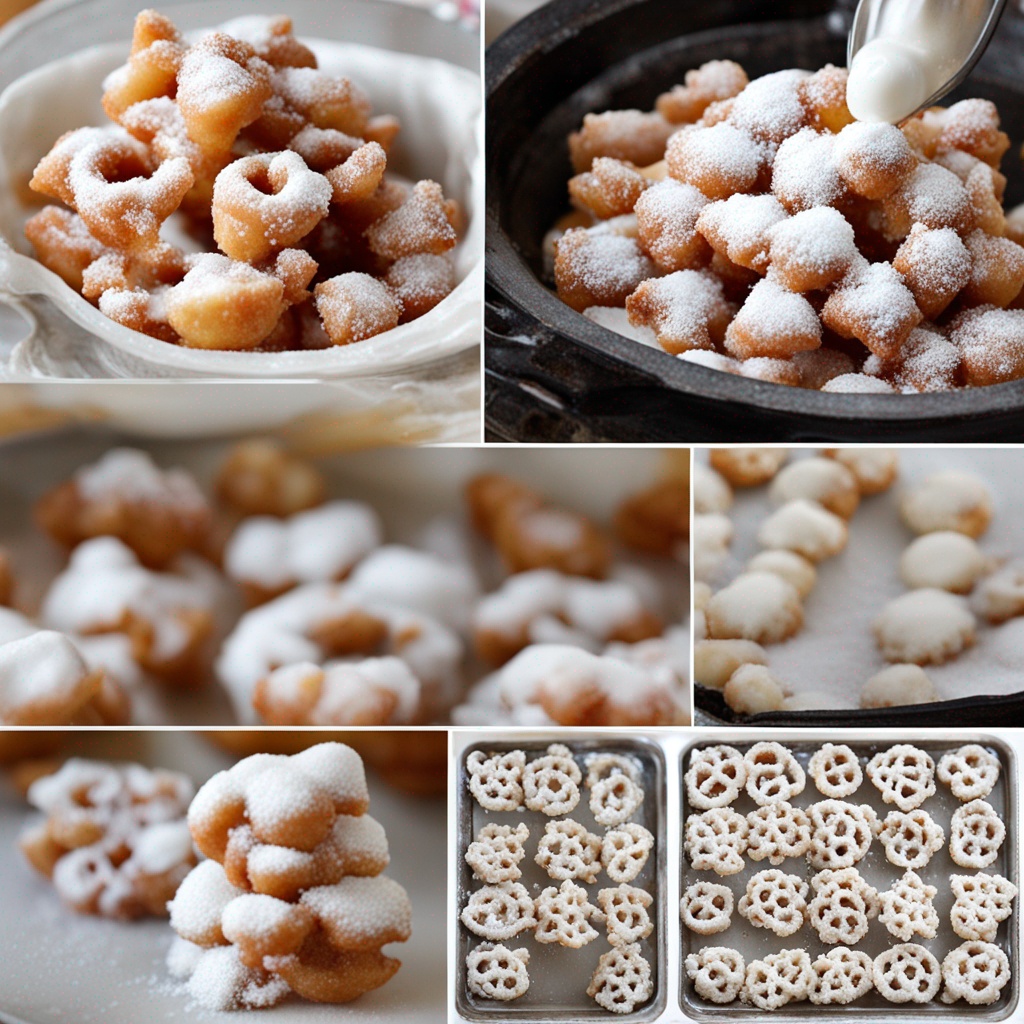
{"x":574,"y":56}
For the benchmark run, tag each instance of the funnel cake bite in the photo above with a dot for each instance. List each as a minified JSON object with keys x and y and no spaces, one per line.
{"x":157,"y":513}
{"x":531,"y":533}
{"x":44,"y":680}
{"x":812,"y":224}
{"x":571,"y":686}
{"x":243,"y":138}
{"x":318,"y":622}
{"x":260,"y":478}
{"x":167,"y":616}
{"x":114,"y":841}
{"x":269,"y":556}
{"x":292,"y":898}
{"x":541,"y":604}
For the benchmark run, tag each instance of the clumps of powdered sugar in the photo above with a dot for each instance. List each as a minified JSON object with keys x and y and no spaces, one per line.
{"x":740,"y":227}
{"x":321,"y":544}
{"x":858,"y":383}
{"x":991,"y":342}
{"x":776,"y":314}
{"x":804,"y":173}
{"x":769,"y":107}
{"x":722,"y":153}
{"x":131,"y":474}
{"x":679,"y":308}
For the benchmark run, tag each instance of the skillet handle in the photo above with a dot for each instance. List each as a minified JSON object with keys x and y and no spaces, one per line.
{"x":543,"y":387}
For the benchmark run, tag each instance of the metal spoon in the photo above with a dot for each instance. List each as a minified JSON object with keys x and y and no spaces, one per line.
{"x":949,"y":64}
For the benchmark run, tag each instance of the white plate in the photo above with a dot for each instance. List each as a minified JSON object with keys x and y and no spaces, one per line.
{"x":59,"y":966}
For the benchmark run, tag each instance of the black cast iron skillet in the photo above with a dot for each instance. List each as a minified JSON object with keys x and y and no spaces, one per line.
{"x":552,"y":374}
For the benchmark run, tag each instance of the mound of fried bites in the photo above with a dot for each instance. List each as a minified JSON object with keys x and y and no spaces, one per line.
{"x":756,"y":228}
{"x":275,"y":169}
{"x":292,"y":898}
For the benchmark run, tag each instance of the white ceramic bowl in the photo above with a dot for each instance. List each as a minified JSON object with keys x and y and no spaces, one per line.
{"x":52,"y":61}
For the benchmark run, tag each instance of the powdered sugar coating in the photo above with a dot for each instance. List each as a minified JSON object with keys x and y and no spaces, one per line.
{"x":666,"y":216}
{"x":773,"y":322}
{"x":873,"y":305}
{"x":740,"y":227}
{"x":305,"y":625}
{"x":812,"y":249}
{"x":43,"y":677}
{"x":804,"y":174}
{"x":717,"y":160}
{"x":948,"y":500}
{"x":104,"y":586}
{"x":756,"y":606}
{"x":769,"y":107}
{"x":873,"y":159}
{"x":686,"y":310}
{"x":991,"y":342}
{"x":598,"y":268}
{"x":321,"y":544}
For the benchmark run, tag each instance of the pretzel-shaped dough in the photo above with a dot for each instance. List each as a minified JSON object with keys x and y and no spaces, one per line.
{"x":563,"y":916}
{"x":499,"y":912}
{"x":110,"y":179}
{"x":982,"y":902}
{"x":497,"y":972}
{"x":907,"y":908}
{"x":266,"y":202}
{"x":496,"y":852}
{"x":717,"y":973}
{"x":706,"y":908}
{"x":624,"y":851}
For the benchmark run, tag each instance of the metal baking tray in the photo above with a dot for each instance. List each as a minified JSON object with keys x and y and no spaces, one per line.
{"x":559,"y":976}
{"x":756,"y":942}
